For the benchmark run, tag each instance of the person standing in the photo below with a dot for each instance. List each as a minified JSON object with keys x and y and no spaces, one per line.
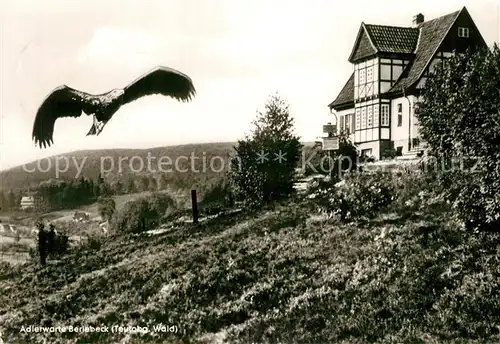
{"x":51,"y":236}
{"x":42,"y":237}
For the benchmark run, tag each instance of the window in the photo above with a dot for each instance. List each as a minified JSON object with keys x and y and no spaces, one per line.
{"x":362,"y":76}
{"x":384,"y":115}
{"x":375,"y":116}
{"x":370,"y":116}
{"x":385,"y":72}
{"x":399,"y":150}
{"x":463,"y":32}
{"x":342,"y":121}
{"x":400,"y":115}
{"x":365,"y":75}
{"x":369,"y":74}
{"x":363,"y":118}
{"x":366,"y":152}
{"x":347,"y":123}
{"x":385,"y":86}
{"x":396,"y":72}
{"x":358,"y":118}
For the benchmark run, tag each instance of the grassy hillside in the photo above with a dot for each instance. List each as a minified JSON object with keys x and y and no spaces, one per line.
{"x":282,"y":274}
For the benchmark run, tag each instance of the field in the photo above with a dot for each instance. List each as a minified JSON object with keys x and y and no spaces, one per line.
{"x":283,"y":274}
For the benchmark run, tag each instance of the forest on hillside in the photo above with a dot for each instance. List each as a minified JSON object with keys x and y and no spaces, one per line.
{"x":82,"y":182}
{"x":113,"y":164}
{"x":196,"y":166}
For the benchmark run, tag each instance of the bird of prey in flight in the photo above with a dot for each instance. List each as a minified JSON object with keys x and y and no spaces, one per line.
{"x":65,"y":101}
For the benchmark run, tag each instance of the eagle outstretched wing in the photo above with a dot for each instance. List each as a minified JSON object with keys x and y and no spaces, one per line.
{"x":64,"y":101}
{"x":160,"y":80}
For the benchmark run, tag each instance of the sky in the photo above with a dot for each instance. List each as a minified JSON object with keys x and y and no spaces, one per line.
{"x":237,"y":52}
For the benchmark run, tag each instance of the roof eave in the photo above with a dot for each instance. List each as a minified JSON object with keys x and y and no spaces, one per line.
{"x":341,"y":106}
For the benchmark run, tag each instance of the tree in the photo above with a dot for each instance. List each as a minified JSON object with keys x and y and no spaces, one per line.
{"x":12,"y":200}
{"x":131,"y":188}
{"x":68,"y":196}
{"x":3,"y":201}
{"x":459,"y":119}
{"x":100,"y":179}
{"x":153,"y":184}
{"x":218,"y":197}
{"x":104,"y":190}
{"x":117,"y":187}
{"x":264,"y":167}
{"x":106,"y":207}
{"x":162,"y":182}
{"x":144,"y":183}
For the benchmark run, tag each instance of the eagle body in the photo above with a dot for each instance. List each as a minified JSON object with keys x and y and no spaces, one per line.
{"x":104,"y":106}
{"x":65,"y":101}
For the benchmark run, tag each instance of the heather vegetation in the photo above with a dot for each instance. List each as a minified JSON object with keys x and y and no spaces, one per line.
{"x":284,"y":273}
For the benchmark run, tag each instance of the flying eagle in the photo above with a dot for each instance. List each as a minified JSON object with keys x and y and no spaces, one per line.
{"x":65,"y":101}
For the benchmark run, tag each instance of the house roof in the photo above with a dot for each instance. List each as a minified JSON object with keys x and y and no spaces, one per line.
{"x":393,"y":39}
{"x":422,"y":41}
{"x":346,"y":95}
{"x":432,"y":34}
{"x":373,"y":39}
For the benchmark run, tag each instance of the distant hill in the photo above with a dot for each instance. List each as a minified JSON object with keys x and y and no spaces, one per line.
{"x":113,"y":162}
{"x":196,"y":163}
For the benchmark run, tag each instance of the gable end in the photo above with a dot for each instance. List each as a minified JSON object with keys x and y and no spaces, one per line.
{"x":363,"y":46}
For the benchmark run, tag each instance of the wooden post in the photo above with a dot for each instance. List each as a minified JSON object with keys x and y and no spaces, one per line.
{"x":194,"y":203}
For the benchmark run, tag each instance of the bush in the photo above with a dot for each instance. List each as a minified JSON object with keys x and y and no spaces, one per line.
{"x":358,"y":195}
{"x":61,"y":244}
{"x":390,"y":153}
{"x":459,"y":120}
{"x":94,"y":242}
{"x":106,"y":207}
{"x":477,"y":205}
{"x":143,"y":213}
{"x":217,"y":198}
{"x":264,"y":167}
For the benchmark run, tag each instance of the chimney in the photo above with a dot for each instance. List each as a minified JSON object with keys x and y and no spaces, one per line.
{"x":418,"y":19}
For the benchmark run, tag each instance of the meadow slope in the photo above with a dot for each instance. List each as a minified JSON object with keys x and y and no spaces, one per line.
{"x":281,"y":274}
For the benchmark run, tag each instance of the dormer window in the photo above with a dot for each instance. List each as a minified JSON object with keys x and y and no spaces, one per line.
{"x":463,"y":32}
